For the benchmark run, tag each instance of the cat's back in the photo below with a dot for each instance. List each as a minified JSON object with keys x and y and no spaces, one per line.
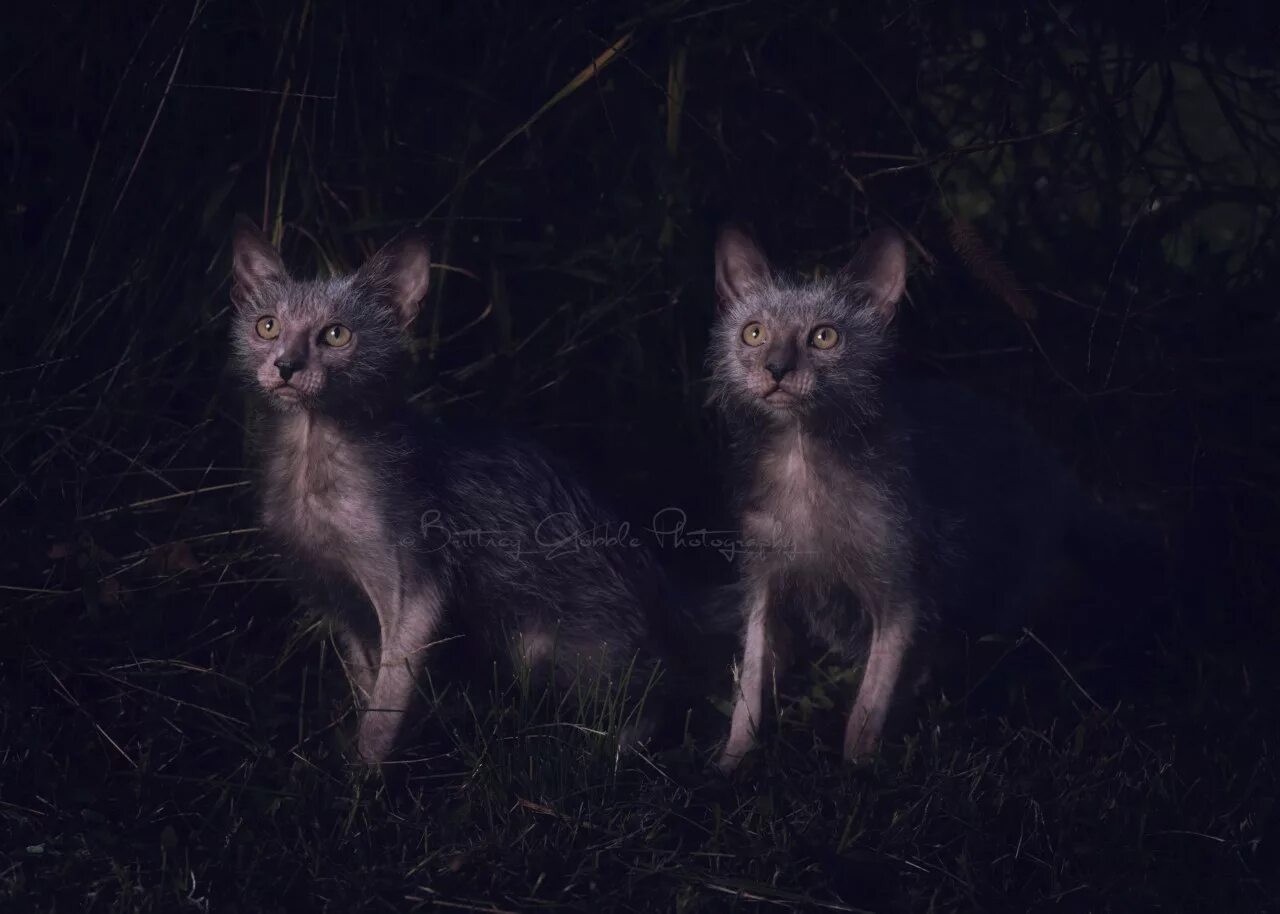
{"x":483,"y":469}
{"x":537,"y":549}
{"x":529,"y":518}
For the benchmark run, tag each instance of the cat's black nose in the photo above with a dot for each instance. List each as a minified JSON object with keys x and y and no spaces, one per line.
{"x":287,"y":366}
{"x":778,"y":371}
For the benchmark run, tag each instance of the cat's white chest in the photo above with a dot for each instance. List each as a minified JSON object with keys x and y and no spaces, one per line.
{"x":326,"y":503}
{"x":814,"y":511}
{"x":787,"y":510}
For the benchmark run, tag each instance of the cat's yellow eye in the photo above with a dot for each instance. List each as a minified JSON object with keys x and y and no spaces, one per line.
{"x":336,"y":336}
{"x":823,"y":337}
{"x":268,"y":327}
{"x":754,"y":334}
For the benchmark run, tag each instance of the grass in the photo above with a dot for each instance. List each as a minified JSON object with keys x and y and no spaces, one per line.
{"x":216,"y":779}
{"x":1091,"y":206}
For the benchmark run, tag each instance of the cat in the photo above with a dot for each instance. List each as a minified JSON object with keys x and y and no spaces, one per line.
{"x":877,"y":506}
{"x":405,"y":530}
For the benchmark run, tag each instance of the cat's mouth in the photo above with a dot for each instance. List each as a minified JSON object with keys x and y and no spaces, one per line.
{"x":287,"y":395}
{"x":779,"y":397}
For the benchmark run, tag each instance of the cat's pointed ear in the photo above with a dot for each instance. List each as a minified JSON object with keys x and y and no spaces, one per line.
{"x":255,"y":264}
{"x":880,"y":268}
{"x":401,"y":271}
{"x":740,"y":264}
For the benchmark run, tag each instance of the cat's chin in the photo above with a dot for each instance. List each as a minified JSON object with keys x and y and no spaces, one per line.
{"x":780,"y":401}
{"x":286,"y":399}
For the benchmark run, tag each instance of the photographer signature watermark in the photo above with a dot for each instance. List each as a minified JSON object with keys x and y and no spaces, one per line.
{"x":562,"y":534}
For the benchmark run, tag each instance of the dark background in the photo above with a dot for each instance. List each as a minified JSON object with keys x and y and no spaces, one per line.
{"x":1090,"y":193}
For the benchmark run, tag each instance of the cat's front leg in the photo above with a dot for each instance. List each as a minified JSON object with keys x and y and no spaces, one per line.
{"x":891,"y":635}
{"x":407,"y":632}
{"x":758,"y":663}
{"x":359,"y":653}
{"x":351,"y":622}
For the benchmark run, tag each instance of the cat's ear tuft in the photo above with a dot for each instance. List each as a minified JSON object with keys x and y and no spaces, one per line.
{"x":880,"y":268}
{"x":255,"y":264}
{"x":402,"y":272}
{"x":740,"y":265}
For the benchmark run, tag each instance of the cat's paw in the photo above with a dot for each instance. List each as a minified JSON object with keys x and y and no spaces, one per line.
{"x":376,"y":736}
{"x":862,"y":749}
{"x":730,"y":759}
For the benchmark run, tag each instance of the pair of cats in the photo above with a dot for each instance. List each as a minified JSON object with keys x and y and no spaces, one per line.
{"x":876,"y":504}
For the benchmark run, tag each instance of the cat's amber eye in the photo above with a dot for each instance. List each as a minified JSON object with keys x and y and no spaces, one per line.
{"x":268,"y":327}
{"x":823,"y":337}
{"x":754,"y":334}
{"x":336,"y":336}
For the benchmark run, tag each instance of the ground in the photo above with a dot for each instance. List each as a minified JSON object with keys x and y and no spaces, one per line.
{"x":1089,"y":200}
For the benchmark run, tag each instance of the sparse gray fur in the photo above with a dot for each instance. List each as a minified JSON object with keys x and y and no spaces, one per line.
{"x":403,"y":530}
{"x":876,"y":504}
